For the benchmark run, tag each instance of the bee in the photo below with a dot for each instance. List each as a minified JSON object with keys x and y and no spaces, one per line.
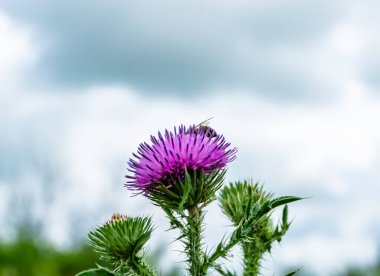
{"x":211,"y":133}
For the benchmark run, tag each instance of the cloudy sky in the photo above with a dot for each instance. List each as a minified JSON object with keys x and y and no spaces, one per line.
{"x":293,"y":84}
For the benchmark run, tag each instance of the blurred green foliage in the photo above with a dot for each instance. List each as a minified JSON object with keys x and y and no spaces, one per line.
{"x":373,"y":270}
{"x":27,"y":257}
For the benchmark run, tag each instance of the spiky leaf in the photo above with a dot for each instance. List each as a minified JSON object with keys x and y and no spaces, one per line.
{"x":96,"y":272}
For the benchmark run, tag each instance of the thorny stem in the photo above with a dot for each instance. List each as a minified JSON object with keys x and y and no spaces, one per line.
{"x":251,"y":260}
{"x":138,"y":267}
{"x":194,"y":241}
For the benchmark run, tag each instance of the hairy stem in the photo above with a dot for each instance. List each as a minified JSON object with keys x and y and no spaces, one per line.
{"x":142,"y":268}
{"x":137,"y":266}
{"x":194,"y":236}
{"x":251,"y":260}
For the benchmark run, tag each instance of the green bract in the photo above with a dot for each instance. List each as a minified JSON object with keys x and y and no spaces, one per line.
{"x":120,"y":241}
{"x":235,"y":198}
{"x":196,"y":188}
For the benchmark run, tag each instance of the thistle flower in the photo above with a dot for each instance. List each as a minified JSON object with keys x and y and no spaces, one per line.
{"x":160,"y":169}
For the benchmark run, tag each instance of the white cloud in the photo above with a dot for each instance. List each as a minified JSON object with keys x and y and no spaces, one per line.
{"x":16,"y":49}
{"x":335,"y":253}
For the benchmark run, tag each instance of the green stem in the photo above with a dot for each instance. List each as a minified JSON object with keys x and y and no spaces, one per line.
{"x":194,"y":236}
{"x":251,"y":260}
{"x":142,"y":268}
{"x":137,"y":266}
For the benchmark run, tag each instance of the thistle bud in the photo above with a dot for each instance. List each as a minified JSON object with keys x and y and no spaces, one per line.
{"x":121,"y":238}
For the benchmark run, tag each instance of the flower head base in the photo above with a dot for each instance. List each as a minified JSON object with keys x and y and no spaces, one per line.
{"x":162,"y":166}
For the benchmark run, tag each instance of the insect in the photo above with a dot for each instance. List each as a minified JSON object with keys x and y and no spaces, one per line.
{"x":211,"y":133}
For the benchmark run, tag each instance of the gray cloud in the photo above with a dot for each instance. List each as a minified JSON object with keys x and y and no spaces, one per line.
{"x":166,"y":46}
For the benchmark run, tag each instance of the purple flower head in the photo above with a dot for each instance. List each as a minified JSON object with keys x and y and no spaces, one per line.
{"x":165,"y":161}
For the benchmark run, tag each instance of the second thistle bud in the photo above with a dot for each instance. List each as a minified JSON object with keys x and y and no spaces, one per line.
{"x":121,"y":239}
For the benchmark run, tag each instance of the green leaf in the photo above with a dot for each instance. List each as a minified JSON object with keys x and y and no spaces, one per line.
{"x":223,"y":271}
{"x":187,"y":187}
{"x":141,"y":241}
{"x":101,"y":271}
{"x":285,"y":215}
{"x":174,"y":222}
{"x":283,"y":200}
{"x":272,"y":204}
{"x":293,"y":272}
